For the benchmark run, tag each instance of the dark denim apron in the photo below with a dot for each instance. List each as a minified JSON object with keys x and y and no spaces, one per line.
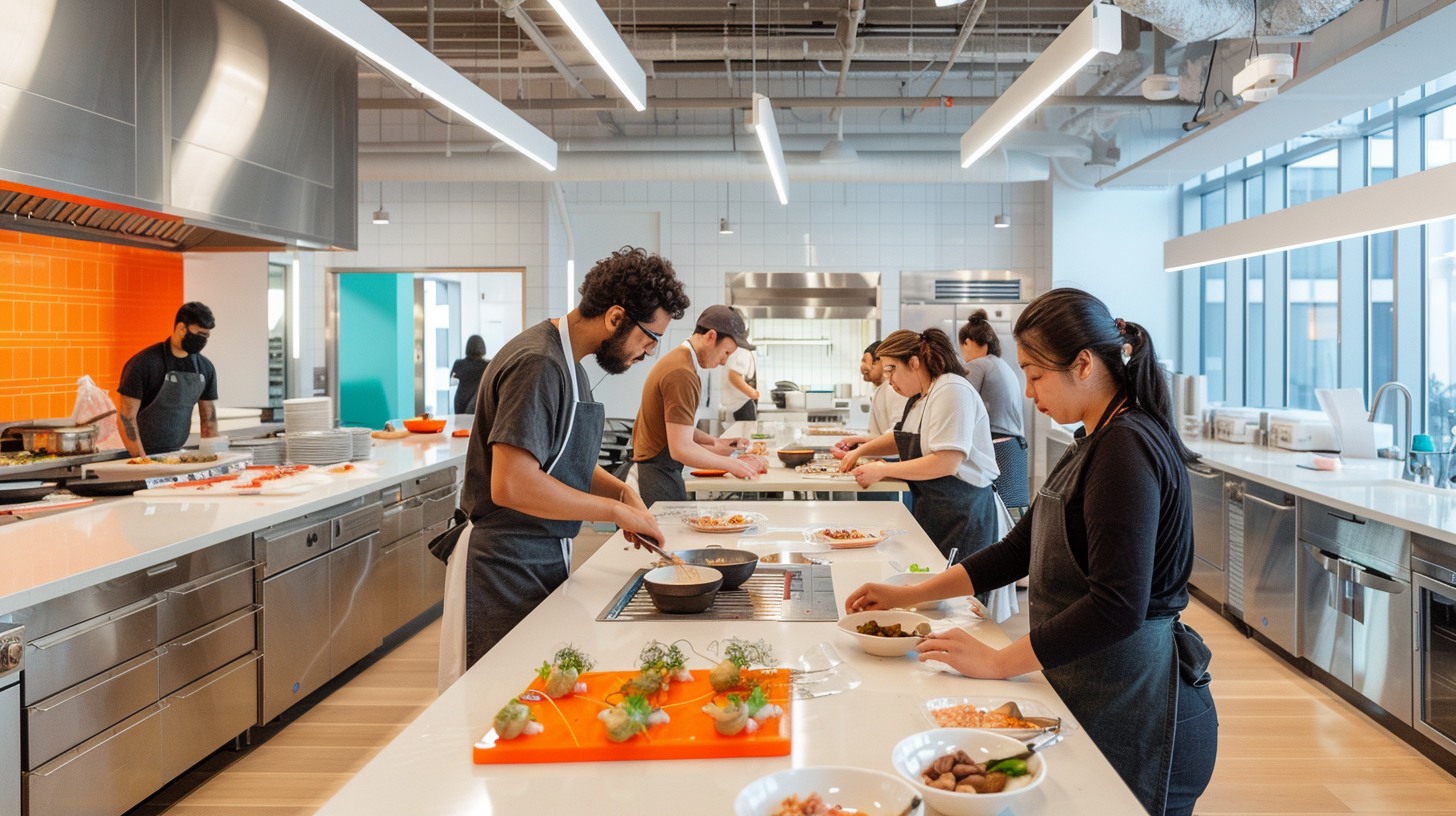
{"x":513,"y":570}
{"x":660,"y":478}
{"x":955,"y":514}
{"x":166,"y":422}
{"x":1126,"y":695}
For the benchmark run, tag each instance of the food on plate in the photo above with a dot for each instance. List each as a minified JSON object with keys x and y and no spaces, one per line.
{"x":658,"y":665}
{"x":760,"y":436}
{"x":758,"y":448}
{"x":174,"y":459}
{"x":347,"y":467}
{"x":918,"y":568}
{"x":630,"y":717}
{"x":812,"y":806}
{"x":460,"y":434}
{"x":847,"y":534}
{"x":969,"y":716}
{"x":562,"y":671}
{"x":515,"y":719}
{"x":738,"y":655}
{"x":25,"y":458}
{"x":707,"y":474}
{"x":735,"y":714}
{"x":874,"y":629}
{"x":710,"y":520}
{"x":957,"y":772}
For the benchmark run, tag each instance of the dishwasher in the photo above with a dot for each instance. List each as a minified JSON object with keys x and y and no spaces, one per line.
{"x":1357,"y":604}
{"x":1433,"y":567}
{"x":1266,"y":517}
{"x":1209,"y":543}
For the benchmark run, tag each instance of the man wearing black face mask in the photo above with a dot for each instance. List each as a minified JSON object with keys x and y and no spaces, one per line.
{"x":160,"y":384}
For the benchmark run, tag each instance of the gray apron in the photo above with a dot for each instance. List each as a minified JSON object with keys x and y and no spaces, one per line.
{"x":1012,"y":485}
{"x":1126,"y":695}
{"x":954,"y":513}
{"x":660,"y":478}
{"x":748,"y":411}
{"x":512,"y":571}
{"x":166,"y":422}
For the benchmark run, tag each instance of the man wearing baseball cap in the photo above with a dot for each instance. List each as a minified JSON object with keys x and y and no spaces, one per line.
{"x":665,"y":437}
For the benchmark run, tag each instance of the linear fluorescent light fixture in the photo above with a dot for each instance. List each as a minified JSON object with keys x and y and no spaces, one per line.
{"x":599,"y":37}
{"x":760,"y":120}
{"x":1097,"y":30}
{"x":944,"y":3}
{"x":380,"y":42}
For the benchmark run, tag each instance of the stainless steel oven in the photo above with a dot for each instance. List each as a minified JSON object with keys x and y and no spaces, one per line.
{"x":1433,"y":571}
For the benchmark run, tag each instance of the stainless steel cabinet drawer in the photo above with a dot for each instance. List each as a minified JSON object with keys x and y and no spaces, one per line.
{"x":355,"y":611}
{"x":433,"y":571}
{"x":390,"y":495}
{"x":428,"y":482}
{"x":207,"y":649}
{"x":356,"y":524}
{"x":61,"y":660}
{"x":1359,"y":539}
{"x":208,"y":598}
{"x":400,"y":582}
{"x":440,"y":505}
{"x":63,"y":721}
{"x":287,"y":545}
{"x":402,"y":520}
{"x":295,"y":636}
{"x":106,"y":775}
{"x":202,"y":717}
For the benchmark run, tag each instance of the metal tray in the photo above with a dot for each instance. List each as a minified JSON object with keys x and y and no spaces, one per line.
{"x":62,"y":467}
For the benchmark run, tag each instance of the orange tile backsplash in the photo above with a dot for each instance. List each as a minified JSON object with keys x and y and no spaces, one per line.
{"x":69,"y":308}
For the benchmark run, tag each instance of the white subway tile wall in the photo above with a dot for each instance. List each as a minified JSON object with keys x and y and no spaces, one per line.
{"x":830,"y":357}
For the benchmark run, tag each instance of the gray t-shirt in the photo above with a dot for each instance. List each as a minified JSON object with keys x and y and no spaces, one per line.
{"x":525,"y":401}
{"x":996,"y":382}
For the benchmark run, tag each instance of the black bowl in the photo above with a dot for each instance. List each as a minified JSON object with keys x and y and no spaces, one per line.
{"x":685,"y":599}
{"x":794,"y":458}
{"x":736,"y":565}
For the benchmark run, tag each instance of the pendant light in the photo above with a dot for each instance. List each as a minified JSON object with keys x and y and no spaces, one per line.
{"x":723,"y":227}
{"x":381,"y":215}
{"x":838,"y":151}
{"x":1003,"y":220}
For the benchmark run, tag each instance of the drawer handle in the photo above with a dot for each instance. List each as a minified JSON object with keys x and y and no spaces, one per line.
{"x":311,"y":540}
{"x":61,"y":637}
{"x":60,"y":700}
{"x":256,"y":657}
{"x":1350,"y":517}
{"x":161,"y":568}
{"x":188,"y":589}
{"x":156,"y":708}
{"x":221,"y":623}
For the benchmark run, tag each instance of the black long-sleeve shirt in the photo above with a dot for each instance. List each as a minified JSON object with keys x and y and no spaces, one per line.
{"x":1130,"y":528}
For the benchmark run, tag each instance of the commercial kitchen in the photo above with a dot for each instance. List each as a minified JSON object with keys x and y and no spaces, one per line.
{"x":358,"y":358}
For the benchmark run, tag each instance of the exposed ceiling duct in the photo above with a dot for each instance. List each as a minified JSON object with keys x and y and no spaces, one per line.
{"x":1040,"y":142}
{"x":1199,"y":20}
{"x":846,"y":34}
{"x":653,"y":165}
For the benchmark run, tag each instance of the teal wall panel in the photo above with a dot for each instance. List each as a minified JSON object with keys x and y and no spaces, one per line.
{"x":376,"y":348}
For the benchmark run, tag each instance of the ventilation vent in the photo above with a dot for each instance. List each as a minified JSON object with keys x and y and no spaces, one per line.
{"x":963,"y":290}
{"x":1235,"y":561}
{"x":101,"y":222}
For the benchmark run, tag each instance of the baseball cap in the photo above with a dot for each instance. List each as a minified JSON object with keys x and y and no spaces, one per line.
{"x":727,"y":323}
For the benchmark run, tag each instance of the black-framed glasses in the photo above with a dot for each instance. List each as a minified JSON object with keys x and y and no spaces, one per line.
{"x":656,"y":338}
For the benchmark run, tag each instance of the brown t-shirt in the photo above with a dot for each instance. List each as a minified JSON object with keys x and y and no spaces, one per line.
{"x":670,"y":394}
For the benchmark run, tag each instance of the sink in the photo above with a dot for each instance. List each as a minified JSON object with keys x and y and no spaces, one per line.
{"x":1399,"y":484}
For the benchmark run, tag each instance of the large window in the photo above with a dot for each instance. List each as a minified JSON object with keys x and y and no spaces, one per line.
{"x":1314,"y":322}
{"x":1315,"y":177}
{"x":1441,"y":331}
{"x":1215,"y":317}
{"x":1440,"y":137}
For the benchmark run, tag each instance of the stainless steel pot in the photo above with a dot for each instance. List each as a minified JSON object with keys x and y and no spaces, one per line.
{"x":60,"y":441}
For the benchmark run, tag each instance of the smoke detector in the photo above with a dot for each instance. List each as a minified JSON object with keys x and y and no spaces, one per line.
{"x":1160,"y":86}
{"x":1261,"y":77}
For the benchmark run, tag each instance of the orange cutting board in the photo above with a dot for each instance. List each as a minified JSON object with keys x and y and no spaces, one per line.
{"x":574,"y":734}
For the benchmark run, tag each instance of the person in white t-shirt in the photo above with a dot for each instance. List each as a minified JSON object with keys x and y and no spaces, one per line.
{"x":944,"y":442}
{"x":739,"y":385}
{"x":885,"y":407}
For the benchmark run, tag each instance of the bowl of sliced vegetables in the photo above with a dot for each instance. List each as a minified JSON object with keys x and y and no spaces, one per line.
{"x":885,"y":632}
{"x":967,"y":772}
{"x":814,"y":791}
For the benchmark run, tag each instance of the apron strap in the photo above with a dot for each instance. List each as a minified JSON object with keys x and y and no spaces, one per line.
{"x":565,"y":333}
{"x":905,"y":414}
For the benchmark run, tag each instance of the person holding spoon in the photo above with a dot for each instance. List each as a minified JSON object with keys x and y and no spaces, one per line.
{"x":943,"y":440}
{"x":1108,"y":546}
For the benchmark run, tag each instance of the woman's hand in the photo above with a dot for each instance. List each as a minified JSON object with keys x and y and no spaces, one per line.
{"x":841,"y":448}
{"x":847,"y":463}
{"x":961,"y":651}
{"x":880,"y":596}
{"x":868,"y":474}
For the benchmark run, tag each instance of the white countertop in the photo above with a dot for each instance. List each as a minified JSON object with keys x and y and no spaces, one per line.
{"x":780,"y":478}
{"x":427,"y":770}
{"x":47,"y":557}
{"x":1354,"y":489}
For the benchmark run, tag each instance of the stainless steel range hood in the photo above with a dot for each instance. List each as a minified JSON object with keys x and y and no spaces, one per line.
{"x":806,"y":295}
{"x":95,"y":221}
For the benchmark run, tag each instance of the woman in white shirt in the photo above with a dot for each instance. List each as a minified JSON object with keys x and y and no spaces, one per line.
{"x":943,"y":439}
{"x":996,"y":381}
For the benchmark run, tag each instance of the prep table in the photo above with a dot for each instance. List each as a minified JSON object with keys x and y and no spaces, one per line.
{"x":427,"y":769}
{"x":782,"y":479}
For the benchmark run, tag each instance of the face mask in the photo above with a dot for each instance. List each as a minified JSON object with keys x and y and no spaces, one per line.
{"x":193,"y":343}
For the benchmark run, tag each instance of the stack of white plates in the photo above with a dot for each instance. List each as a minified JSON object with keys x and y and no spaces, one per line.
{"x":320,"y":447}
{"x":308,"y":414}
{"x":265,"y":451}
{"x":363,"y":443}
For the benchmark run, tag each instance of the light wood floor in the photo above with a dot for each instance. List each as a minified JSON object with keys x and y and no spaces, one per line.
{"x":1286,"y":745}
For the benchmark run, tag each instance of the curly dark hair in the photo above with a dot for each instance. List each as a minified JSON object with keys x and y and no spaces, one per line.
{"x":639,"y":282}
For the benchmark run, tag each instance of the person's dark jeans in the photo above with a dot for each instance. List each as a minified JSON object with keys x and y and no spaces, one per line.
{"x":1195,"y":747}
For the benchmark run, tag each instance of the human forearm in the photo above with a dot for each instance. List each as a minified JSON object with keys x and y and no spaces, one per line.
{"x":606,"y":485}
{"x":931,"y":466}
{"x":126,"y":424}
{"x":207,"y":414}
{"x":696,"y":455}
{"x":882,"y":445}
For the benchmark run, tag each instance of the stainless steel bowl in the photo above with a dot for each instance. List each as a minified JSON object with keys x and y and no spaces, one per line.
{"x":60,"y":441}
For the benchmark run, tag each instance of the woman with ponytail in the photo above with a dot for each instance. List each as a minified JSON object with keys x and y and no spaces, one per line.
{"x":943,"y":440}
{"x":1108,"y":546}
{"x":995,"y":380}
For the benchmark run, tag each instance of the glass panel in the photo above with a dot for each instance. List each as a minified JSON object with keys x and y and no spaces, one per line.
{"x":1382,"y":318}
{"x":1214,"y":174}
{"x":1440,"y":127}
{"x":1380,"y":157}
{"x":1383,"y":108}
{"x":1253,"y":158}
{"x":1254,"y":332}
{"x":1254,"y":197}
{"x":1314,"y":178}
{"x":1314,"y":304}
{"x":1300,"y":141}
{"x":1214,"y":323}
{"x":1438,"y":85}
{"x":1213,"y":209}
{"x":1441,"y":329}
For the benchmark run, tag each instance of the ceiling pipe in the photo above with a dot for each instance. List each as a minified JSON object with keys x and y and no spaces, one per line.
{"x":782,"y":102}
{"x":1199,"y":20}
{"x":846,"y":34}
{"x":955,"y":52}
{"x":1040,"y":142}
{"x":905,"y":168}
{"x":430,"y":26}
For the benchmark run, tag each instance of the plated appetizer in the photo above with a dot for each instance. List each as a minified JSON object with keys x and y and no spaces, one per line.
{"x":560,"y":674}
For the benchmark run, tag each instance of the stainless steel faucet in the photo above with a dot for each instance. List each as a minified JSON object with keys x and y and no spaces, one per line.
{"x":1408,"y":472}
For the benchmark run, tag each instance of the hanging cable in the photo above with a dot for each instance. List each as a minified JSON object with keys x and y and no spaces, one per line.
{"x":1193,"y":123}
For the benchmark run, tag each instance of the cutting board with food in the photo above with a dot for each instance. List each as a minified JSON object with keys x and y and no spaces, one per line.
{"x":660,"y":711}
{"x":151,"y":467}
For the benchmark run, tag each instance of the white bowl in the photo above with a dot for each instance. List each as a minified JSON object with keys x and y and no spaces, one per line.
{"x":908,"y":578}
{"x":916,"y":752}
{"x":869,"y":791}
{"x":883,"y":646}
